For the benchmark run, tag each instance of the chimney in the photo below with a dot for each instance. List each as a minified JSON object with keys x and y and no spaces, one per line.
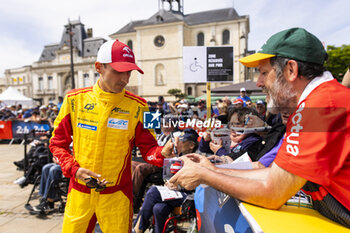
{"x":89,"y":32}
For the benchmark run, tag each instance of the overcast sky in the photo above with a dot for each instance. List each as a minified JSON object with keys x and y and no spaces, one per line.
{"x":26,"y":26}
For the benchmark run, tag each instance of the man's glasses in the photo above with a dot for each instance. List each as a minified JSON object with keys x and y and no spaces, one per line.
{"x":243,"y":130}
{"x":92,"y":183}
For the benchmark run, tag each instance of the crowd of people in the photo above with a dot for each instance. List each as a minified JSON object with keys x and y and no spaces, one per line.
{"x":290,"y":140}
{"x":198,"y":110}
{"x":183,"y":108}
{"x":36,"y":114}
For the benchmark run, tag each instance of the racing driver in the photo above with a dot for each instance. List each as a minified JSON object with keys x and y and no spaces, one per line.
{"x":104,"y":122}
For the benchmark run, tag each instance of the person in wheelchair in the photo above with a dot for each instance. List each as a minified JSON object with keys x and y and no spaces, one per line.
{"x":153,"y":204}
{"x":48,"y":192}
{"x":37,"y":147}
{"x":37,"y":157}
{"x":141,"y":170}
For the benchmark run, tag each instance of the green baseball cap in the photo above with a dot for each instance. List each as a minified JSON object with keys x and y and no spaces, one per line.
{"x":294,"y":43}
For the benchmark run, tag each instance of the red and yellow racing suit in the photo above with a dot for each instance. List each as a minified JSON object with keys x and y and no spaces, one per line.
{"x":103,"y":127}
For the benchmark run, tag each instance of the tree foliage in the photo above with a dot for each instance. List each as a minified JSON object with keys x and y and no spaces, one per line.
{"x":177,"y":93}
{"x":338,"y":60}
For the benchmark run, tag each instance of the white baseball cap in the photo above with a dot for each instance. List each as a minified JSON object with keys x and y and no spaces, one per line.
{"x":259,"y":102}
{"x":182,"y":106}
{"x":242,"y":89}
{"x":118,"y":55}
{"x":42,"y":107}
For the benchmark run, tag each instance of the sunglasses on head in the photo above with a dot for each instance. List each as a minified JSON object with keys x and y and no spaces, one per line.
{"x":92,"y":183}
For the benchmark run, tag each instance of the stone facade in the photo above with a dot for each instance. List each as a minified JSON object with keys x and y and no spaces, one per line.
{"x":50,"y":76}
{"x":163,"y":63}
{"x":21,"y":79}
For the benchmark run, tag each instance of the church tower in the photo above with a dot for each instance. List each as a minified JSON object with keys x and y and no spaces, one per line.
{"x":175,"y":6}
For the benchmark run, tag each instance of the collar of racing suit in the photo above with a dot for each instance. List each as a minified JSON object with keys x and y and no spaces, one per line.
{"x":114,"y":98}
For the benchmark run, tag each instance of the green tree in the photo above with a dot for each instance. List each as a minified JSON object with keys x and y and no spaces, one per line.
{"x":338,"y":60}
{"x":177,"y":93}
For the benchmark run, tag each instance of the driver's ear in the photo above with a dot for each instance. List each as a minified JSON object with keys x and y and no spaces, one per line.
{"x":98,"y":67}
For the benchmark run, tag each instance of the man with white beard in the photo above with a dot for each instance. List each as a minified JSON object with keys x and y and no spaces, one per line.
{"x":315,"y":154}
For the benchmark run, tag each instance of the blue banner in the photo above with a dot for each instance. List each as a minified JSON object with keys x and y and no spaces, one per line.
{"x":218,"y":212}
{"x":33,"y":129}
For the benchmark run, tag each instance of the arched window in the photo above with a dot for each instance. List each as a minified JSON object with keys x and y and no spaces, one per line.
{"x":41,"y":83}
{"x":68,"y":83}
{"x":200,"y":39}
{"x":49,"y":83}
{"x":86,"y":80}
{"x":130,"y":44}
{"x":160,"y":75}
{"x":189,"y":91}
{"x":96,"y":76}
{"x":226,"y":37}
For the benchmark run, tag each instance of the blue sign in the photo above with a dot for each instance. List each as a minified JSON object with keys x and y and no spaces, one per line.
{"x":218,"y":212}
{"x":151,"y":120}
{"x":19,"y":128}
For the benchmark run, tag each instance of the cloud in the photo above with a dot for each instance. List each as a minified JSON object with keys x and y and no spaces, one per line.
{"x":337,"y":37}
{"x":328,"y":20}
{"x":15,"y":53}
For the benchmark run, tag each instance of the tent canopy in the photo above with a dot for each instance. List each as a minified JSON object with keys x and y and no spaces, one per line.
{"x":13,"y":97}
{"x":233,"y":91}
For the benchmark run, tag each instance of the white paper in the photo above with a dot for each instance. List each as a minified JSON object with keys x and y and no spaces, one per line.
{"x":242,"y":162}
{"x":243,"y":158}
{"x":168,"y":194}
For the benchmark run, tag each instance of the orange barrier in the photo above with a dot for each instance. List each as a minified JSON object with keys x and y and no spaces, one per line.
{"x":5,"y":129}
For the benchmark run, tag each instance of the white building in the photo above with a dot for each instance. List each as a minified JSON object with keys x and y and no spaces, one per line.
{"x":50,"y":77}
{"x":21,"y":79}
{"x":158,"y":43}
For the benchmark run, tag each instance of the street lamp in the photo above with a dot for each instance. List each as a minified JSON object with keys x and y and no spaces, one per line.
{"x":71,"y":33}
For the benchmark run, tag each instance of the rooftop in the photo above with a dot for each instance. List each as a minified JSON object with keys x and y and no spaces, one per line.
{"x":164,"y":16}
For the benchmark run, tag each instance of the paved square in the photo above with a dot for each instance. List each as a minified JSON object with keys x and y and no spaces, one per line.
{"x":13,"y":216}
